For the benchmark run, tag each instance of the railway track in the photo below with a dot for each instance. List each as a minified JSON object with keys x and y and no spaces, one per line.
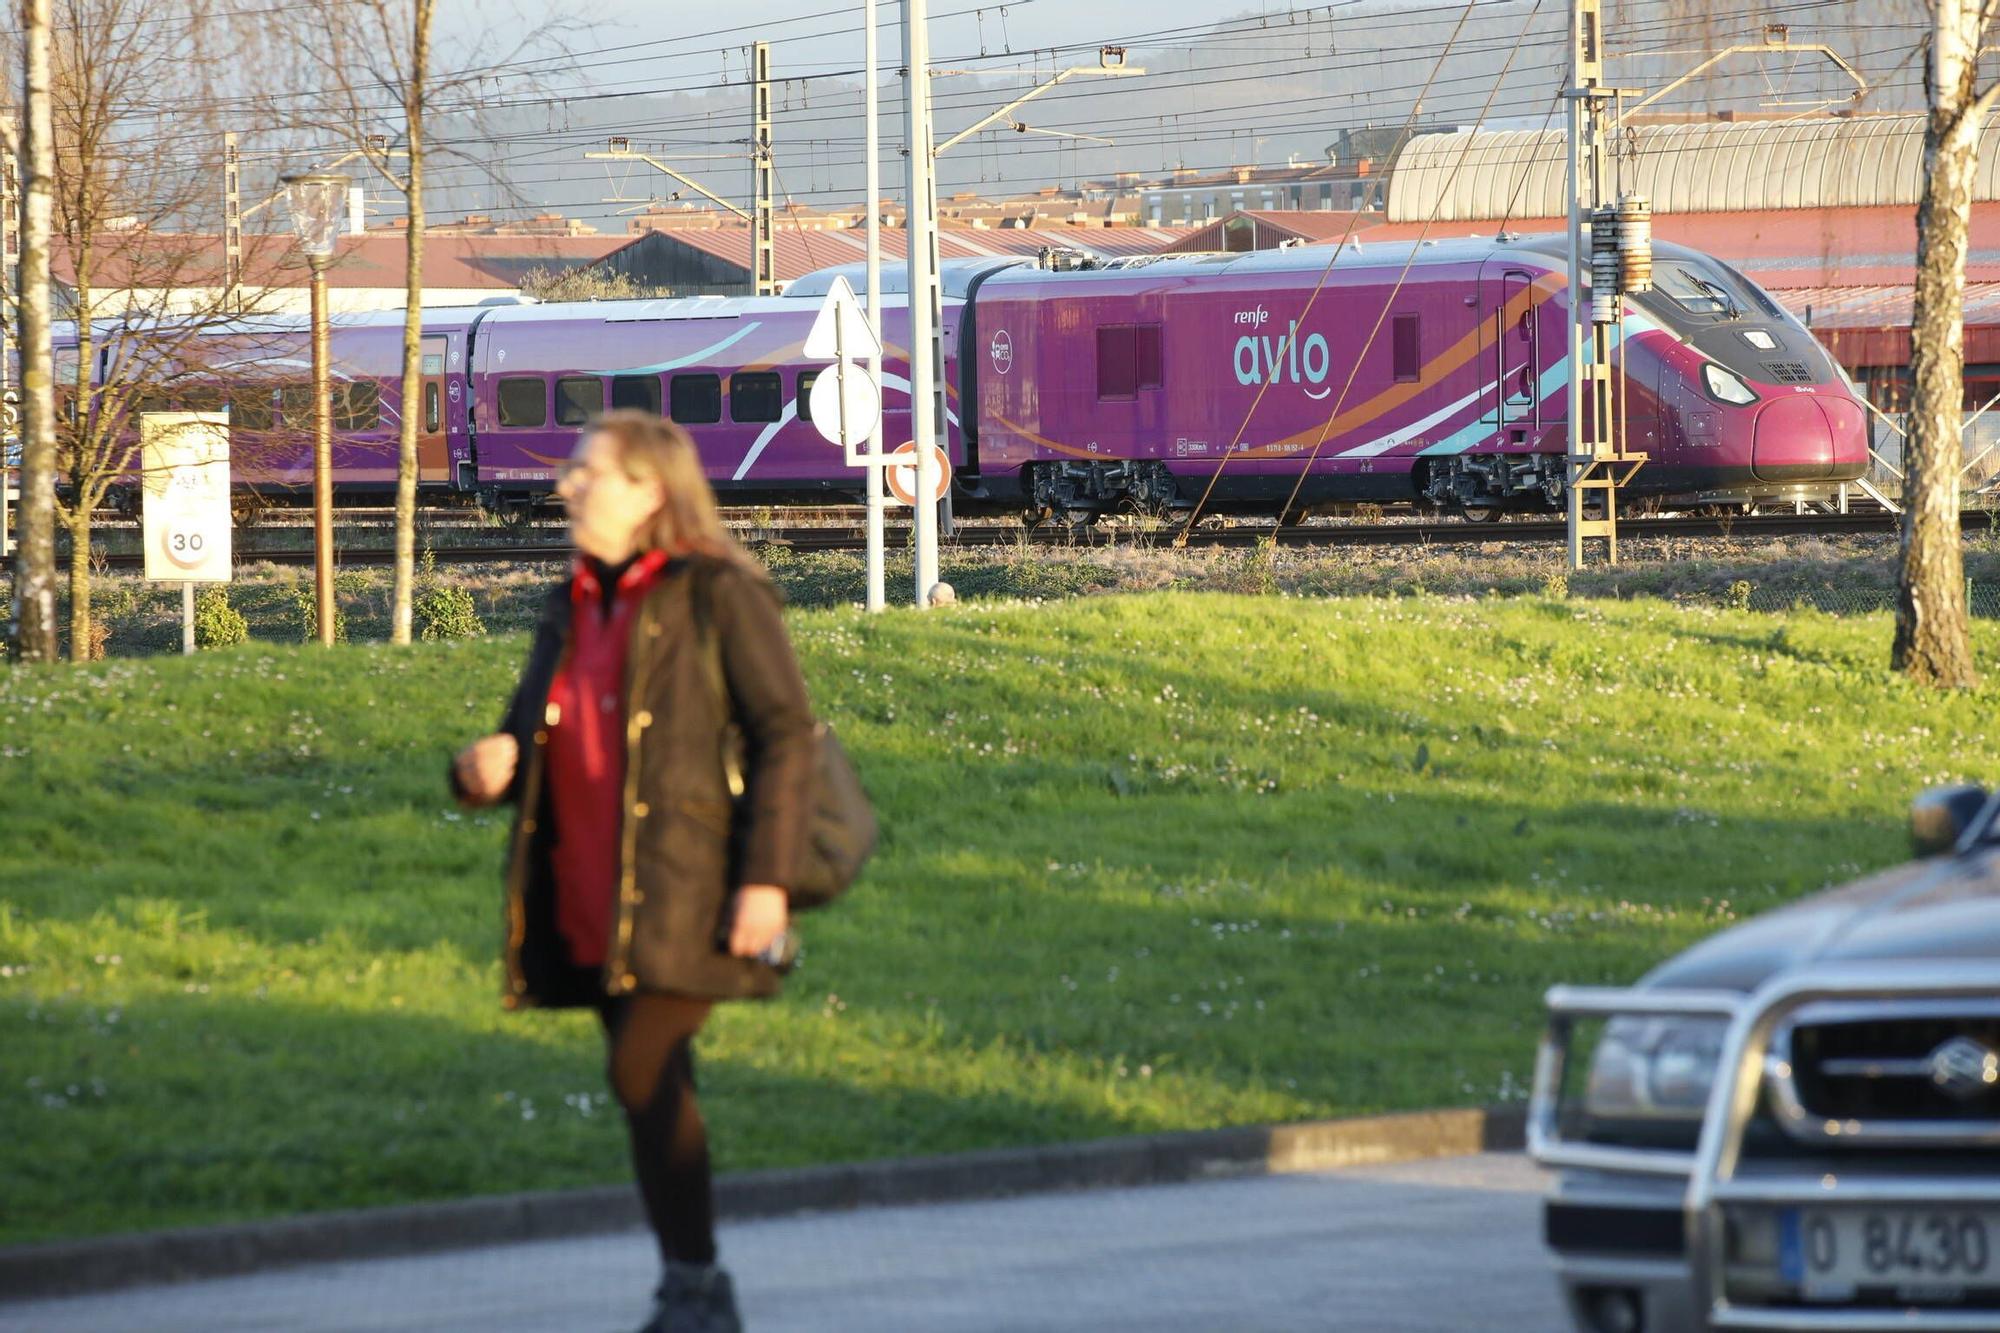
{"x":1444,"y":532}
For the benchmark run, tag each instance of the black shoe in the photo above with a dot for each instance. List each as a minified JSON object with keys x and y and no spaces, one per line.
{"x":694,"y":1298}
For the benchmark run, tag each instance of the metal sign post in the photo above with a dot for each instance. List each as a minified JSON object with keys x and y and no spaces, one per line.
{"x":184,"y":521}
{"x":845,"y":401}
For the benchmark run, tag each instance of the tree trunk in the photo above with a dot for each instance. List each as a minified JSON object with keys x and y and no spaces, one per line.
{"x":79,"y":586}
{"x":85,"y":471}
{"x":413,"y":328}
{"x":35,"y":558}
{"x":1932,"y":644}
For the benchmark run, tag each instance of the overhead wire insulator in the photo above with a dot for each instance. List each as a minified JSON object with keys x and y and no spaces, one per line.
{"x":1635,"y":243}
{"x":1606,"y":303}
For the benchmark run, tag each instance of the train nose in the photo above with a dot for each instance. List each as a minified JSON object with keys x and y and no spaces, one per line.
{"x":1794,"y":440}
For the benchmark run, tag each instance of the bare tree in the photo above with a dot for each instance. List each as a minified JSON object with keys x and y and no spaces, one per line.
{"x":378,"y":47}
{"x":34,"y":637}
{"x":1932,"y":644}
{"x":127,"y":74}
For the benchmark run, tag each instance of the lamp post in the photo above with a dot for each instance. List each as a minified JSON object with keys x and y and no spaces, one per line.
{"x":316,"y":200}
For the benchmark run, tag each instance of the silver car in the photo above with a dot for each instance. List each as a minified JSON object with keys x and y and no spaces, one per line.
{"x":1796,"y":1123}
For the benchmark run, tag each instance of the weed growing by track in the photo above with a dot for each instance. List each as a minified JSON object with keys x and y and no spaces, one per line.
{"x":1151,"y":862}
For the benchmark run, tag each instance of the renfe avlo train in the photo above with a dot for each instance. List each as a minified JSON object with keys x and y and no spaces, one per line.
{"x":1435,"y":373}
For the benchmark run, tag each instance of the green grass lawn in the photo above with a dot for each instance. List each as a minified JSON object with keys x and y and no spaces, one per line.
{"x":1150,"y":862}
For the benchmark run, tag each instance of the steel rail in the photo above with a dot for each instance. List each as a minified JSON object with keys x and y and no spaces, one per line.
{"x":1445,"y":532}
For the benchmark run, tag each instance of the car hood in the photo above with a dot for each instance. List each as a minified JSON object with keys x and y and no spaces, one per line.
{"x":1944,"y":908}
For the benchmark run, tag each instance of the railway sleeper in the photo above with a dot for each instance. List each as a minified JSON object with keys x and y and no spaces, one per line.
{"x":1079,"y":489}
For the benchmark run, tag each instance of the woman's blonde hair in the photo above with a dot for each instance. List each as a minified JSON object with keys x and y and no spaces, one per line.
{"x":687,"y":523}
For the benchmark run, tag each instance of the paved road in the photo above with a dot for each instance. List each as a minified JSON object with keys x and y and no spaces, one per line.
{"x":1431,"y":1247}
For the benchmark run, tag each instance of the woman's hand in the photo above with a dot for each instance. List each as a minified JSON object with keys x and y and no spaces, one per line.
{"x":485,"y":768}
{"x":761,"y":913}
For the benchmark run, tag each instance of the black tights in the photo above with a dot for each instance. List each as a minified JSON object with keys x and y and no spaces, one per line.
{"x":651,"y":1040}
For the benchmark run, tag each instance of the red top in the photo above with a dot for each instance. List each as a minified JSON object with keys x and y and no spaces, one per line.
{"x":586,"y":755}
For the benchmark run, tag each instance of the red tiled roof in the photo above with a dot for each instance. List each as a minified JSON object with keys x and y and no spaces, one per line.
{"x":1870,"y":325}
{"x":801,"y":252}
{"x":452,"y":260}
{"x":1309,"y":225}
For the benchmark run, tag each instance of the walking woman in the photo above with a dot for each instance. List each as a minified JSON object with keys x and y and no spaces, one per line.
{"x":631,"y":885}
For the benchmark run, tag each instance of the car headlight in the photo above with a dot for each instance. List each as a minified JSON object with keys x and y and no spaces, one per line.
{"x":1725,"y":386}
{"x":1654,"y":1068}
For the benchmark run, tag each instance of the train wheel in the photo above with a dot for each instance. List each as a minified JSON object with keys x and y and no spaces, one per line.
{"x":1480,"y":513}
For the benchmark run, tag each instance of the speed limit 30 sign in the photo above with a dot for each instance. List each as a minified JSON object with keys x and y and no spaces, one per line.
{"x":185,"y":477}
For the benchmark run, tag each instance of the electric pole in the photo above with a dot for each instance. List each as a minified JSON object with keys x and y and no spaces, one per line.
{"x":232,"y":222}
{"x":927,"y":415}
{"x":763,"y":248}
{"x":877,"y":579}
{"x":1612,"y":246}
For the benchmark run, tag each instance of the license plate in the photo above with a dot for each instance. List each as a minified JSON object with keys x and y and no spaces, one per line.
{"x":1934,"y":1253}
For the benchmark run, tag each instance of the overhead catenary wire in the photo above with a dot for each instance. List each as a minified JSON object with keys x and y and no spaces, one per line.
{"x":1319,"y":285}
{"x":1354,"y":369}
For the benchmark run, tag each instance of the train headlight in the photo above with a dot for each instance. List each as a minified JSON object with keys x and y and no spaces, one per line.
{"x":1654,"y":1068}
{"x":1725,"y":386}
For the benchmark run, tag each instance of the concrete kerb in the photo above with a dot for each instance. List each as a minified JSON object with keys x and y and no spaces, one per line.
{"x":101,"y":1264}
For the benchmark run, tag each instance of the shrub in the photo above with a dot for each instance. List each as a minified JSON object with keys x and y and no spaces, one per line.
{"x":443,"y":612}
{"x":306,"y":598}
{"x":1555,"y":585}
{"x":448,"y":613}
{"x":217,"y":624}
{"x":1739,"y":595}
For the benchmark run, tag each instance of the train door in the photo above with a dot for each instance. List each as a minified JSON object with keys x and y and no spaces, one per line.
{"x":433,"y":454}
{"x":1517,"y":367}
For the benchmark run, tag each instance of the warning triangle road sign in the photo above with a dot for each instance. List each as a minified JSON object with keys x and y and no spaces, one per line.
{"x":840,"y":331}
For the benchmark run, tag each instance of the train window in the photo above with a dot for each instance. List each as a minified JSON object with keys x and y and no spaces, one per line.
{"x":357,"y":405}
{"x":578,"y":399}
{"x":524,"y":401}
{"x":250,"y":409}
{"x":640,"y":392}
{"x":431,"y":408}
{"x":1117,"y":362}
{"x":807,"y":378}
{"x":695,"y":400}
{"x":295,"y":400}
{"x":1407,"y":349}
{"x":756,"y":395}
{"x":202,"y":398}
{"x":1147,"y":356}
{"x":433,"y":363}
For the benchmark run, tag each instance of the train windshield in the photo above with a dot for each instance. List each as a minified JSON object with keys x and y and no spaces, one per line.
{"x":1691,"y":290}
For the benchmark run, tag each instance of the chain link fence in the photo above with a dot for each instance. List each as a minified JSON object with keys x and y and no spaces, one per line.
{"x":1860,"y":600}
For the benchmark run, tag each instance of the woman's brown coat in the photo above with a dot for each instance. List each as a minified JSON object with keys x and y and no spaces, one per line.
{"x":681,"y":860}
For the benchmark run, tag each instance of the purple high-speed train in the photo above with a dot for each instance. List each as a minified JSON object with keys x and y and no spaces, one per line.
{"x":1431,"y":373}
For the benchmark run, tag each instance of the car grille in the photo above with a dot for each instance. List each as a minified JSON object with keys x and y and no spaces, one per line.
{"x":1889,"y":1072}
{"x":1789,"y":372}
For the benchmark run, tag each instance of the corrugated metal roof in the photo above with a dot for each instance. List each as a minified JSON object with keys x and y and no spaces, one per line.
{"x":1682,"y":168}
{"x":1800,"y":247}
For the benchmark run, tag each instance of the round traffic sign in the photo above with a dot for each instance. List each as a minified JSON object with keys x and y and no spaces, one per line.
{"x":845,"y":388}
{"x":902,"y":474}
